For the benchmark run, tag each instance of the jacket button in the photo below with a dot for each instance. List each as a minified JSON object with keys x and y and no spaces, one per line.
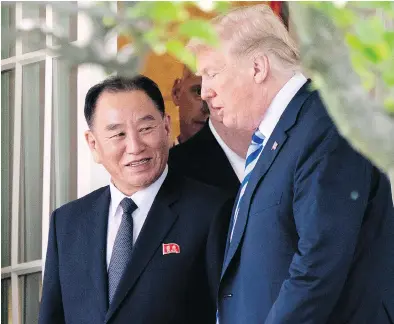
{"x":227,"y":295}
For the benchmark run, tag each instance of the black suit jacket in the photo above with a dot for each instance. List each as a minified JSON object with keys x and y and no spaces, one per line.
{"x":202,"y":158}
{"x":156,"y":288}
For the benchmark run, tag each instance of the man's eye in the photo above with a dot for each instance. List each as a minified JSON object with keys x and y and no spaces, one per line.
{"x":118,"y":135}
{"x":196,"y":91}
{"x":146,"y":129}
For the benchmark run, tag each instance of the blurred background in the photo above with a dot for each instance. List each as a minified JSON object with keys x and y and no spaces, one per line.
{"x":45,"y":161}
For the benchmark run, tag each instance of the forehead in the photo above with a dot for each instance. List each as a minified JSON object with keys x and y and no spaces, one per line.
{"x":135,"y":102}
{"x":209,"y":58}
{"x":192,"y":80}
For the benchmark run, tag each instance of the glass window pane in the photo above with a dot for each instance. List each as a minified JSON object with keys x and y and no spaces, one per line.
{"x":64,"y":134}
{"x":6,"y":302}
{"x":7,"y":143}
{"x":66,"y":22}
{"x":32,"y":141}
{"x":30,"y":287}
{"x":7,"y":26}
{"x":34,"y":41}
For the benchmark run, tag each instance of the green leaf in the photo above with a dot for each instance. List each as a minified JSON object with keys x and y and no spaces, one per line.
{"x":167,"y":11}
{"x":371,"y":31}
{"x":109,"y":21}
{"x":154,"y":38}
{"x":354,"y":42}
{"x":371,"y":54}
{"x":389,"y":105}
{"x":389,"y":38}
{"x":200,"y":29}
{"x":177,"y":49}
{"x":386,"y":5}
{"x":344,"y":17}
{"x":222,"y":6}
{"x":388,"y":76}
{"x":368,"y":79}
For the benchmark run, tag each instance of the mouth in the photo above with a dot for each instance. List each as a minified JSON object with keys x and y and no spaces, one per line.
{"x":200,"y":122}
{"x":138,"y":163}
{"x":216,"y":108}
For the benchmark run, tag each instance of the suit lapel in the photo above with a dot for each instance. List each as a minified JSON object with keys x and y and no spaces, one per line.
{"x":263,"y":164}
{"x":270,"y":152}
{"x":96,"y":224}
{"x":217,"y":164}
{"x":158,"y":223}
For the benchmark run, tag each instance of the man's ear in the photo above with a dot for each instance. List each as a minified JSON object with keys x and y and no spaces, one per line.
{"x":261,"y":68}
{"x":176,"y":91}
{"x":92,"y":143}
{"x":167,"y":124}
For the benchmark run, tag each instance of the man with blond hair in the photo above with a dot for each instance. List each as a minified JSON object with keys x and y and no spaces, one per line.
{"x":312,"y":227}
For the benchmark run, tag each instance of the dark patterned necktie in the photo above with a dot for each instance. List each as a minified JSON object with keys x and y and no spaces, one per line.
{"x":123,"y":246}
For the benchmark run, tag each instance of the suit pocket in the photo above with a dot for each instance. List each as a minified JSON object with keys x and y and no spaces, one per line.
{"x":265,"y":201}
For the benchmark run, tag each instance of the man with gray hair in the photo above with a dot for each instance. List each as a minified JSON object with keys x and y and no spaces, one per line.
{"x":312,"y":227}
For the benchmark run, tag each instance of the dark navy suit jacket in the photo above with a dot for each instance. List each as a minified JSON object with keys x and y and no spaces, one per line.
{"x":314,"y":236}
{"x":202,"y":158}
{"x":157,"y":288}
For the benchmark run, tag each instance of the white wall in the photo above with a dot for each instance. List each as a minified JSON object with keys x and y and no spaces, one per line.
{"x":90,"y":175}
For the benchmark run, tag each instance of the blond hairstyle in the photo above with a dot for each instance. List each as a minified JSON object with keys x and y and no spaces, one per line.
{"x":253,"y":30}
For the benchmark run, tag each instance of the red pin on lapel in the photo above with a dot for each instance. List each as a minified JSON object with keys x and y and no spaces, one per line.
{"x":169,"y":248}
{"x":274,"y":146}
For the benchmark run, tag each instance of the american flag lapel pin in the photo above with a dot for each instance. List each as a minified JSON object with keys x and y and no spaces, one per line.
{"x":169,"y":248}
{"x":274,"y":146}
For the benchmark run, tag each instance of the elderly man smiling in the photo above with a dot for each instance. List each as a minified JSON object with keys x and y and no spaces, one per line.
{"x":143,"y":249}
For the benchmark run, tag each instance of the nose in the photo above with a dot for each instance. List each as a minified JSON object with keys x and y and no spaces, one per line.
{"x":206,"y":92}
{"x":134,"y":144}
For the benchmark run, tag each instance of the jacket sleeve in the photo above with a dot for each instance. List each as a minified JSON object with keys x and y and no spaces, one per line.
{"x":51,"y":308}
{"x":331,"y":188}
{"x":216,"y":245}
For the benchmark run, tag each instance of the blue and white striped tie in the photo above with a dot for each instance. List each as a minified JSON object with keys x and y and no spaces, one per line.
{"x":254,"y":150}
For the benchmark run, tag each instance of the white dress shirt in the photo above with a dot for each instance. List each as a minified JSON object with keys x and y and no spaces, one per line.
{"x":279,"y":104}
{"x":237,"y":162}
{"x":143,"y":199}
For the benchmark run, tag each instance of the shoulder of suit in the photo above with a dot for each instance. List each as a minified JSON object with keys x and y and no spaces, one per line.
{"x":82,"y":203}
{"x":203,"y":192}
{"x":192,"y":149}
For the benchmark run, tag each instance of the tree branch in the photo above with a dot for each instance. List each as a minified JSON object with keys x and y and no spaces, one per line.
{"x":359,"y":118}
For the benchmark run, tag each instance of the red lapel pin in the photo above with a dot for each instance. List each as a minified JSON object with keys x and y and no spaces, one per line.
{"x":169,"y":248}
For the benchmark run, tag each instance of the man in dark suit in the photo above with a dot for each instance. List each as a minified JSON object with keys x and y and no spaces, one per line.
{"x":311,"y":235}
{"x":215,"y":155}
{"x":143,"y":249}
{"x":193,"y":112}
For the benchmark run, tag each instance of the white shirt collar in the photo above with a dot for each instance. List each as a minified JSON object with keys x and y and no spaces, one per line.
{"x":237,"y":162}
{"x":279,"y":104}
{"x":143,"y":198}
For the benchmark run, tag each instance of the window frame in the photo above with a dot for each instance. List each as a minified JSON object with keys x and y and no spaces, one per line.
{"x":90,"y":176}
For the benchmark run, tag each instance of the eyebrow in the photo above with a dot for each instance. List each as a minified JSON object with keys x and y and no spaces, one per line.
{"x":112,"y":127}
{"x":147,"y":118}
